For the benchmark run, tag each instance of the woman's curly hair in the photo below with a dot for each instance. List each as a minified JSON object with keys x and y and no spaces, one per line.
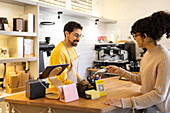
{"x":154,"y":26}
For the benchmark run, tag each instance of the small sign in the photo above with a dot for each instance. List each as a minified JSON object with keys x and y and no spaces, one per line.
{"x":100,"y":85}
{"x":68,"y":93}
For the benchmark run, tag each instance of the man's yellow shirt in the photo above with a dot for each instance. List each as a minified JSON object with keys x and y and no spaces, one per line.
{"x":60,"y":55}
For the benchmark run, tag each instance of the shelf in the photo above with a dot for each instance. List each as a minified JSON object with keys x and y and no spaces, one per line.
{"x":72,"y":13}
{"x":9,"y":60}
{"x":16,"y":33}
{"x":3,"y":95}
{"x":19,"y":2}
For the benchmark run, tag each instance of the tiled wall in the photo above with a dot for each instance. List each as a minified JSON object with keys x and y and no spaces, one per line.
{"x":85,"y":47}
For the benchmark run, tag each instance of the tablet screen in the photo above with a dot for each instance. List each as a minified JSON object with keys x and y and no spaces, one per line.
{"x":48,"y":69}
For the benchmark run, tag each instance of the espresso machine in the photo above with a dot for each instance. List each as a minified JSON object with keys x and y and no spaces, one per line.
{"x":44,"y":46}
{"x":116,"y":54}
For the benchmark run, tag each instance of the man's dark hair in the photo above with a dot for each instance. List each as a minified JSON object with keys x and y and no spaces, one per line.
{"x":70,"y":26}
{"x":154,"y":26}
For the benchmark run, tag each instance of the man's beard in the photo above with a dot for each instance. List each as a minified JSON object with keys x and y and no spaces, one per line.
{"x":72,"y":43}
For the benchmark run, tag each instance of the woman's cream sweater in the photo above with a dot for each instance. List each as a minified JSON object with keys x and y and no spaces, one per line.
{"x":154,"y":77}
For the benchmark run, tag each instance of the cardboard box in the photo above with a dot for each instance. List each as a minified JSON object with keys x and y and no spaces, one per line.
{"x":15,"y":46}
{"x":13,"y":81}
{"x":28,"y":48}
{"x":8,"y":70}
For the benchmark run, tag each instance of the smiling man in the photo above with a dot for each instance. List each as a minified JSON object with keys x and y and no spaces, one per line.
{"x":65,"y":52}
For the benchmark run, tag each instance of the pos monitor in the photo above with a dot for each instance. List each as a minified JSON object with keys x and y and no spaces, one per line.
{"x":48,"y":69}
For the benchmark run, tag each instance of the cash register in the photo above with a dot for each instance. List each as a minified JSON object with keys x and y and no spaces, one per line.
{"x":51,"y":72}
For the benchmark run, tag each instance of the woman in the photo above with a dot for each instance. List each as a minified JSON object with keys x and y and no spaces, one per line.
{"x":154,"y":75}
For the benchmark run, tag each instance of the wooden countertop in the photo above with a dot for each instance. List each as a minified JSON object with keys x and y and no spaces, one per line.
{"x":94,"y":70}
{"x":115,"y":89}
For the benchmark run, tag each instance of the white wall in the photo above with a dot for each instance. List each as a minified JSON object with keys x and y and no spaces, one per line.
{"x":126,"y":12}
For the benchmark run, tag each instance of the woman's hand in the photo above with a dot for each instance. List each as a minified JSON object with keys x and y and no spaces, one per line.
{"x":114,"y":102}
{"x":113,"y":69}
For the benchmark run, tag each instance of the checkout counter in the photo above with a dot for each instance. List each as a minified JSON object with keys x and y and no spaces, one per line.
{"x":115,"y":89}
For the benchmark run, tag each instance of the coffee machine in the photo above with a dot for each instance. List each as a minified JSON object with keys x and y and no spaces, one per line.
{"x":44,"y":47}
{"x":119,"y":54}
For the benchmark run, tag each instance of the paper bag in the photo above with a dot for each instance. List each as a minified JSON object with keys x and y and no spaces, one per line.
{"x":9,"y":69}
{"x":21,"y":77}
{"x":13,"y":80}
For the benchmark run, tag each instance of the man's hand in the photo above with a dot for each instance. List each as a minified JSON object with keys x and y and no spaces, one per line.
{"x":67,"y":81}
{"x":114,"y":102}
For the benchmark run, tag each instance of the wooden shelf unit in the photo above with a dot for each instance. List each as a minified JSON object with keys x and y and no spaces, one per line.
{"x":17,"y":8}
